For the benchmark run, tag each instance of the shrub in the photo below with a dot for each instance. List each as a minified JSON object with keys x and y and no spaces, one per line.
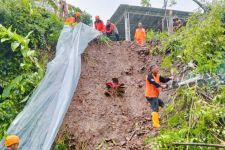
{"x":26,"y":17}
{"x":201,"y":107}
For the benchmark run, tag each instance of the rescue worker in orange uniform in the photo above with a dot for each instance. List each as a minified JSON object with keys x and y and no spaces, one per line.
{"x":73,"y":20}
{"x":99,"y":25}
{"x":153,"y":84}
{"x":12,"y":142}
{"x":140,"y":35}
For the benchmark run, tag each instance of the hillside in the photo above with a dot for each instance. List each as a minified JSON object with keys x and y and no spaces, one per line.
{"x":40,"y":66}
{"x":114,"y":122}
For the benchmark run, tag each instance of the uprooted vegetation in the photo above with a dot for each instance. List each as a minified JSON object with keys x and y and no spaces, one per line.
{"x":196,"y":113}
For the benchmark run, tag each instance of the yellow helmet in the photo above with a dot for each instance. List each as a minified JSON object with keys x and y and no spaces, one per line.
{"x":11,"y":140}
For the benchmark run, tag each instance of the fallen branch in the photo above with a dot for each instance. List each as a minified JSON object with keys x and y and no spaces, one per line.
{"x":132,"y":135}
{"x":200,"y":144}
{"x":205,"y":95}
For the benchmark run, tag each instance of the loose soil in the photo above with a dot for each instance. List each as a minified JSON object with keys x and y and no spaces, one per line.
{"x":95,"y":121}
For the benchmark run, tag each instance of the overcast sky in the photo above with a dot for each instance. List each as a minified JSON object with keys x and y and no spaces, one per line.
{"x":106,"y":8}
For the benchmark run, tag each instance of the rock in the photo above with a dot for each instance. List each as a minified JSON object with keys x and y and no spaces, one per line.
{"x":122,"y":143}
{"x":140,"y":85}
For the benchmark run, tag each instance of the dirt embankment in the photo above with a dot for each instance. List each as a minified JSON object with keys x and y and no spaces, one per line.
{"x":96,"y":121}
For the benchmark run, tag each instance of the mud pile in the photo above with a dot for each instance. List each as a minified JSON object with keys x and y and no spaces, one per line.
{"x":95,"y":121}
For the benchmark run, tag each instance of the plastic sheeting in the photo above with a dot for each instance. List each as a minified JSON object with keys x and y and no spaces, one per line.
{"x":38,"y":124}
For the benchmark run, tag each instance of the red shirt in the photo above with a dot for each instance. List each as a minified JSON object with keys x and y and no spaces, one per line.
{"x":110,"y":28}
{"x":99,"y":25}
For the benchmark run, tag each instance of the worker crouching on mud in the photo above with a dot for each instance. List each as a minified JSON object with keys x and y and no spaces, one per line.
{"x":12,"y":142}
{"x":110,"y":29}
{"x":153,"y":84}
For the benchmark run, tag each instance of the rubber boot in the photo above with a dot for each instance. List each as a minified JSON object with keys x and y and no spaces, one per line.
{"x":155,"y":119}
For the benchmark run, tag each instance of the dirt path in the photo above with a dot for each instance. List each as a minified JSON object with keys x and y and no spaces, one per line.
{"x":96,"y":121}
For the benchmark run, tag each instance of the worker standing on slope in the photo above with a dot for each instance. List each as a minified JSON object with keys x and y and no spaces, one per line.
{"x":176,"y":23}
{"x":153,"y":84}
{"x":110,"y":29}
{"x":12,"y":142}
{"x":75,"y":19}
{"x":140,"y":34}
{"x":99,"y":25}
{"x":63,"y":8}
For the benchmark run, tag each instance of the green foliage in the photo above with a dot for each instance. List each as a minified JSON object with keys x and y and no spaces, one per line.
{"x":21,"y":77}
{"x":103,"y":40}
{"x":20,"y":71}
{"x":7,"y":114}
{"x":193,"y":119}
{"x":202,"y":41}
{"x":60,"y":146}
{"x":85,"y":17}
{"x":146,"y":3}
{"x":25,"y":17}
{"x":67,"y":141}
{"x":156,"y":39}
{"x":196,"y":114}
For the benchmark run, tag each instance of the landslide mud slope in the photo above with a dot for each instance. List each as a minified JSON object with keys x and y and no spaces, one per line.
{"x":96,"y":121}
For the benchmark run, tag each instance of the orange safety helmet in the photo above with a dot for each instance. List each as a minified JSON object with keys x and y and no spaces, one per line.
{"x":97,"y":17}
{"x":11,"y":140}
{"x":77,"y":14}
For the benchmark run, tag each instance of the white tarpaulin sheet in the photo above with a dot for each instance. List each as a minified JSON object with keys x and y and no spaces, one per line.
{"x":38,"y":124}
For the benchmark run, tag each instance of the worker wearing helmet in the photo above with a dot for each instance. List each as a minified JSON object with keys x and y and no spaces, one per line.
{"x":140,"y":34}
{"x":75,"y":19}
{"x":153,"y":84}
{"x":99,"y":25}
{"x":77,"y":16}
{"x":12,"y":142}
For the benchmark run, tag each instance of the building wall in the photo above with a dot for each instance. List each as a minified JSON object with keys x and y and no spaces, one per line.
{"x":151,"y":18}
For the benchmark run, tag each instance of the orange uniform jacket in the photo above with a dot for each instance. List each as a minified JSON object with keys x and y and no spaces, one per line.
{"x":151,"y":90}
{"x":140,"y":35}
{"x":70,"y":20}
{"x":99,"y":25}
{"x":153,"y":84}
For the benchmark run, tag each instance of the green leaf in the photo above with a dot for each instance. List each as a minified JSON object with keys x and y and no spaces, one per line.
{"x":12,"y":84}
{"x":29,"y":34}
{"x":4,"y":39}
{"x":30,"y":53}
{"x":15,"y":45}
{"x":25,"y":99}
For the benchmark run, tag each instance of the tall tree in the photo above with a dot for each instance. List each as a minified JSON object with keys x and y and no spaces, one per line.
{"x":146,"y":3}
